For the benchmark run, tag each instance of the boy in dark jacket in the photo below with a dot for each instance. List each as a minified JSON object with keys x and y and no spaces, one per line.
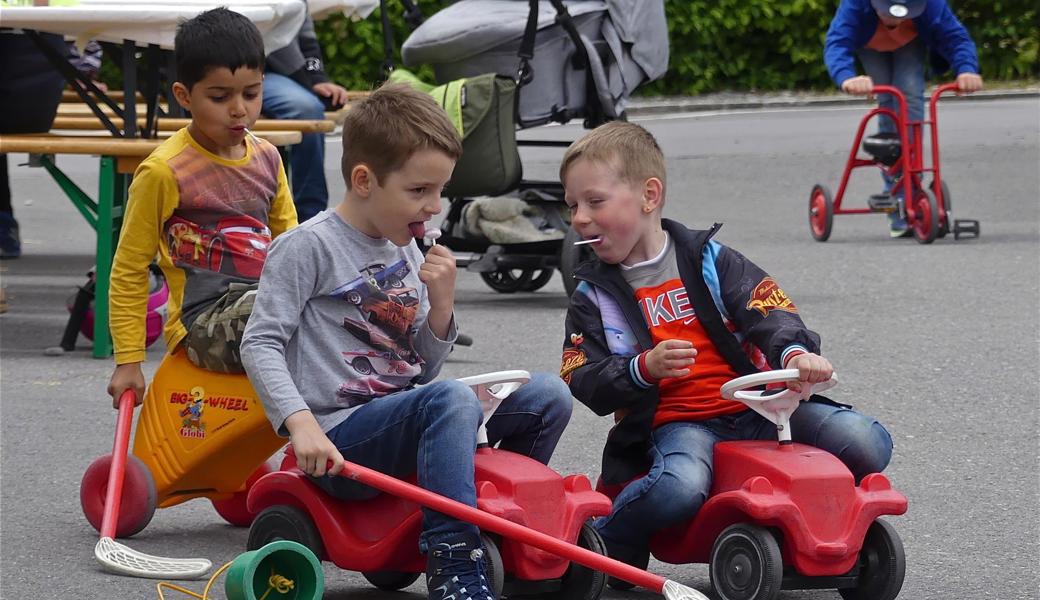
{"x":892,"y":39}
{"x":661,"y":318}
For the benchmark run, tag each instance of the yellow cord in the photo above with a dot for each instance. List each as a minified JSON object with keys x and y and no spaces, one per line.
{"x":276,"y":582}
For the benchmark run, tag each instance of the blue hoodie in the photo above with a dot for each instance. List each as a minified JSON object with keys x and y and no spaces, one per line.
{"x":855,"y":23}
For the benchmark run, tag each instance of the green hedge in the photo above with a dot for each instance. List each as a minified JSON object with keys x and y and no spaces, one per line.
{"x":728,"y":44}
{"x":720,"y":45}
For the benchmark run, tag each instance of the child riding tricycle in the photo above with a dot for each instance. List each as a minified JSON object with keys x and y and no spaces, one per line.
{"x":927,"y":208}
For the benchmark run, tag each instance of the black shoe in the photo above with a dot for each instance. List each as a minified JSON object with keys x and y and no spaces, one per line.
{"x":455,"y":570}
{"x":10,"y":243}
{"x":636,"y":557}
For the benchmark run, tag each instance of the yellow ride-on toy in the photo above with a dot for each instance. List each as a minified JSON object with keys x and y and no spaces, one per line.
{"x":200,"y":434}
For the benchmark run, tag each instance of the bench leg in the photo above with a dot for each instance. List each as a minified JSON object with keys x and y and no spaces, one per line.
{"x":112,"y":190}
{"x":106,"y":218}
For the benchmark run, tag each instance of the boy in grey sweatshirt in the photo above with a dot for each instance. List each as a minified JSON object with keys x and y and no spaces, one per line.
{"x":350,"y":316}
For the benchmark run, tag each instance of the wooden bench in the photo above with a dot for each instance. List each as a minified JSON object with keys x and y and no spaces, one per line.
{"x":81,"y":123}
{"x":73,"y":106}
{"x":119,"y":157}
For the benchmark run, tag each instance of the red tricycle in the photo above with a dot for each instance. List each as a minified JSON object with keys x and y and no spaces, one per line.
{"x":927,"y":209}
{"x":379,"y":537}
{"x":787,"y":515}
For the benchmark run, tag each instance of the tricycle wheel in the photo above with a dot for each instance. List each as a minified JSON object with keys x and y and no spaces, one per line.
{"x":138,"y":501}
{"x":746,"y":564}
{"x":496,"y":572}
{"x":882,"y":565}
{"x":284,"y":522}
{"x":926,"y":220}
{"x":390,"y":581}
{"x":507,"y":281}
{"x":233,"y":509}
{"x":579,"y":582}
{"x":944,"y":223}
{"x":538,"y":280}
{"x":821,"y":213}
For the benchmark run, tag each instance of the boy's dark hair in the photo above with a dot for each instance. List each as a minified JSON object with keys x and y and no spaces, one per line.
{"x":213,"y":39}
{"x":386,"y":128}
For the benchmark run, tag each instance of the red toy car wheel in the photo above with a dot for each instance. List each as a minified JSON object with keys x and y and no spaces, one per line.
{"x":284,"y":522}
{"x":391,"y":581}
{"x":821,"y":213}
{"x":746,"y":564}
{"x":578,"y":582}
{"x":882,"y":565}
{"x":139,"y":498}
{"x":493,"y":567}
{"x":233,"y":509}
{"x":926,"y":221}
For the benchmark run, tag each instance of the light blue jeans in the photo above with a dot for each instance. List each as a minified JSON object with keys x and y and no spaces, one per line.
{"x":680,"y":478}
{"x":902,"y":68}
{"x":432,"y":431}
{"x":286,"y":99}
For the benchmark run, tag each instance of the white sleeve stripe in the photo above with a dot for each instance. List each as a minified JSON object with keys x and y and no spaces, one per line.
{"x":637,"y":377}
{"x":792,"y":348}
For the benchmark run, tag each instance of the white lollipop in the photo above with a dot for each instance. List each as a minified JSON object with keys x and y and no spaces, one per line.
{"x":431,"y":235}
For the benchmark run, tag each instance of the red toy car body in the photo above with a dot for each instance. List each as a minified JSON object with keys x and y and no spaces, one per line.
{"x":784,"y":515}
{"x":379,"y":537}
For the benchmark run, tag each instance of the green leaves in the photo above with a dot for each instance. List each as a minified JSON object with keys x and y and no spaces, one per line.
{"x":724,"y":44}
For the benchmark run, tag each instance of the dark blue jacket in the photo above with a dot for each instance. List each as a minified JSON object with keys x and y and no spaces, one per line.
{"x":598,"y":364}
{"x":856,"y":21}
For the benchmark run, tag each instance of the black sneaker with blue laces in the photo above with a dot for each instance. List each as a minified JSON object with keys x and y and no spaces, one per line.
{"x":455,"y":570}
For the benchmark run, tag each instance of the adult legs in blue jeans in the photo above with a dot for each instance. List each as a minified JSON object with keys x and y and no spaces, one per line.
{"x":286,"y":99}
{"x":680,"y":477}
{"x":432,"y":431}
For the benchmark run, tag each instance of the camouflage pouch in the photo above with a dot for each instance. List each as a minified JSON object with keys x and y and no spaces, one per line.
{"x":214,"y":338}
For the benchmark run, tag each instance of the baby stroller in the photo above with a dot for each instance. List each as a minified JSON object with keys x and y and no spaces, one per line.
{"x":545,"y":61}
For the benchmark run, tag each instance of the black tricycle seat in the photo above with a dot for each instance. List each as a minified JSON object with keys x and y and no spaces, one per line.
{"x":884,"y":147}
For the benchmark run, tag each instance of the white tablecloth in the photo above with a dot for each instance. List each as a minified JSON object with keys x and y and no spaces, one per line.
{"x":152,"y":22}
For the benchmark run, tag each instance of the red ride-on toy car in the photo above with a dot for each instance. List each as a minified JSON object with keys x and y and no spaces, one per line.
{"x":787,"y":515}
{"x":926,"y":208}
{"x":380,"y":537}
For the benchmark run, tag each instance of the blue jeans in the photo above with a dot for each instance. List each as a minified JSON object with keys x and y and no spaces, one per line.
{"x":680,"y":479}
{"x":286,"y":99}
{"x":432,"y":431}
{"x":902,"y":68}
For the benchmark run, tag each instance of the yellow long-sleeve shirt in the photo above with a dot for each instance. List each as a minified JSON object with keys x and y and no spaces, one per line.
{"x":208,"y":219}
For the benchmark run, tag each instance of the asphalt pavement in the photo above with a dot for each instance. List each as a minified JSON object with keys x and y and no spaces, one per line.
{"x":940,"y":342}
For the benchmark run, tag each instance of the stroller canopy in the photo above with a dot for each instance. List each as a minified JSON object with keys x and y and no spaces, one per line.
{"x":626,"y":40}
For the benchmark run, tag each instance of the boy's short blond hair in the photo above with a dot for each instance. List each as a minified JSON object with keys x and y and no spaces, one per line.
{"x":628,"y":149}
{"x":386,"y":128}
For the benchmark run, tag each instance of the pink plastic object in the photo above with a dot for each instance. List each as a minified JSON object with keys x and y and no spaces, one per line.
{"x":155,"y":318}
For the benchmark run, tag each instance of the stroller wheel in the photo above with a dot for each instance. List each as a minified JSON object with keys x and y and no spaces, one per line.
{"x":507,"y":281}
{"x":539,"y":280}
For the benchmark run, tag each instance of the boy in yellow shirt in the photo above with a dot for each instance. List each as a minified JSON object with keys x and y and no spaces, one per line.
{"x":208,"y":200}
